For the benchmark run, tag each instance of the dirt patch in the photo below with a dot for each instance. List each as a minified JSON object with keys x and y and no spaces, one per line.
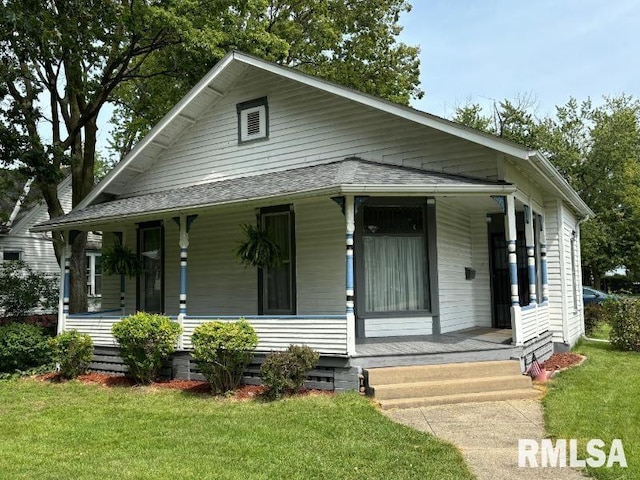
{"x":562,"y":361}
{"x":244,"y":392}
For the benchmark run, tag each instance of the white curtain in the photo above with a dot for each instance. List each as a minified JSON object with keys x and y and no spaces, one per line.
{"x":394,"y":273}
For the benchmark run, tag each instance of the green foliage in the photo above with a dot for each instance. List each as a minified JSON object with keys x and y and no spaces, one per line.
{"x":120,"y":260}
{"x":355,"y":44}
{"x":22,"y":347}
{"x":146,"y":340}
{"x":73,"y":351}
{"x":222,"y":351}
{"x":23,"y":290}
{"x":594,"y":315}
{"x":285,"y":372}
{"x":624,"y":317}
{"x":258,"y":249}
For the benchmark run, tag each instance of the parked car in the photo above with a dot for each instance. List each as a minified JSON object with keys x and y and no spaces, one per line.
{"x":591,"y":295}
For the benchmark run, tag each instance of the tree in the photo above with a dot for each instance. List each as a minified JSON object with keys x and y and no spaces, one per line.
{"x":354,"y":43}
{"x":62,"y":61}
{"x":597,"y":149}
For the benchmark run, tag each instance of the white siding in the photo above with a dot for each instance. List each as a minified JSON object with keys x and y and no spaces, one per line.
{"x":565,"y":299}
{"x":462,"y":242}
{"x":393,"y":327}
{"x":306,"y":127}
{"x":218,"y":284}
{"x":555,"y":272}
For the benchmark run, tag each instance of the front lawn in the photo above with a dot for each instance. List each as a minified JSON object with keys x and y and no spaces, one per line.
{"x":79,"y":431}
{"x":600,"y":399}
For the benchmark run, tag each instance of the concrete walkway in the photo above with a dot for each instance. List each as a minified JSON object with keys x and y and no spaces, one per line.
{"x":487,"y":433}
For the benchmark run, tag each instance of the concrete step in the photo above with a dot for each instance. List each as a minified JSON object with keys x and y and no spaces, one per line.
{"x":517,"y":394}
{"x":417,"y":373}
{"x":436,"y":388}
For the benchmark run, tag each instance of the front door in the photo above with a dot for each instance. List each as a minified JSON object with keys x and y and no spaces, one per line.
{"x":500,"y":282}
{"x":151,"y":279}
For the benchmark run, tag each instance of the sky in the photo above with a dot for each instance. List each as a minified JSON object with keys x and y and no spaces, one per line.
{"x":486,"y":50}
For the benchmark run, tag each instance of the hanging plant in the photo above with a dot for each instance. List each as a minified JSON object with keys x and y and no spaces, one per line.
{"x":120,"y":260}
{"x":258,"y":249}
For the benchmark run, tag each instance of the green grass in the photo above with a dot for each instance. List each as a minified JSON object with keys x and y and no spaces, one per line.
{"x":600,"y":399}
{"x":602,"y":331}
{"x":73,"y":430}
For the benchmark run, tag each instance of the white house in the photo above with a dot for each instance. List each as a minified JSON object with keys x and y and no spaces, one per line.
{"x":407,"y":238}
{"x":18,"y":242}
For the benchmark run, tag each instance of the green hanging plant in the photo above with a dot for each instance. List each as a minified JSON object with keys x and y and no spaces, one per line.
{"x":120,"y":260}
{"x":258,"y":249}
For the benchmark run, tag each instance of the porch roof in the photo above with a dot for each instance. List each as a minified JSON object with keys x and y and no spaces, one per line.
{"x":351,"y":175}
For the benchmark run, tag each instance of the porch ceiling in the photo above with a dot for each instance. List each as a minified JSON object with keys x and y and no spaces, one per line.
{"x":351,"y":175}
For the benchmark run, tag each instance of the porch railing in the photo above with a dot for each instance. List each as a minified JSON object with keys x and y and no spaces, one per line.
{"x":534,"y":321}
{"x":326,"y":334}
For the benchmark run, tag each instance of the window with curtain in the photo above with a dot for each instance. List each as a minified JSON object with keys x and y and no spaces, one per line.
{"x":395,"y":258}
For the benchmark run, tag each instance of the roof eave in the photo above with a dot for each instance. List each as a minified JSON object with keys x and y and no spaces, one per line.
{"x":547,"y":169}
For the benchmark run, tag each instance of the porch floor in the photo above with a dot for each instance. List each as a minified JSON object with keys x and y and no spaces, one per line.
{"x":472,"y":344}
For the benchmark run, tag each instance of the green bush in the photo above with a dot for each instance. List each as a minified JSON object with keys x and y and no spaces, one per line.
{"x":146,"y":340}
{"x":222,"y":351}
{"x":594,"y":315}
{"x":624,"y":317}
{"x":285,"y":372}
{"x":73,"y":351}
{"x":23,"y":290}
{"x":22,"y":347}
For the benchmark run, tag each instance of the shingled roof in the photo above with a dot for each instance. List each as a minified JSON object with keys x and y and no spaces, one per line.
{"x":349,"y":175}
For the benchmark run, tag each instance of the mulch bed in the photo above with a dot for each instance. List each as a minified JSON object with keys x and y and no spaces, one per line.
{"x":561,"y":361}
{"x":244,"y":392}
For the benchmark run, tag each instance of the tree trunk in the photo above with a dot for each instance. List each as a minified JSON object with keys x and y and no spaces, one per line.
{"x":78,"y":270}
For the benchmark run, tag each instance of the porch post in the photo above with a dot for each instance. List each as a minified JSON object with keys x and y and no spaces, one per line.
{"x":65,"y":284}
{"x":531,"y":253}
{"x":511,"y":234}
{"x":120,"y":237}
{"x":349,"y":213}
{"x":542,"y":241}
{"x":184,"y":224}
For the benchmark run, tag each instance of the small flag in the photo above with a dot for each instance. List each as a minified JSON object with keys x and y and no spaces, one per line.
{"x":534,"y":369}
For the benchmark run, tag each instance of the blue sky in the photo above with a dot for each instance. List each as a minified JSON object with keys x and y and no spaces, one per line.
{"x":484,"y":50}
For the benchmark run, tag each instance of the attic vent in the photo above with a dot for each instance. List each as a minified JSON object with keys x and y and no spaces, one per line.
{"x":253,"y":121}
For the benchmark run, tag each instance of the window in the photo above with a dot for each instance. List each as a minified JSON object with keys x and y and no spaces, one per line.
{"x":393,"y":250}
{"x":253,"y":120}
{"x":277,"y":289}
{"x":11,"y":255}
{"x":151,"y":280}
{"x":94,"y":273}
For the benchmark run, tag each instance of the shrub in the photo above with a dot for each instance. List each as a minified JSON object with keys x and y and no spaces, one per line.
{"x":22,"y":347}
{"x":23,"y":290}
{"x":222,"y":351}
{"x":624,"y":317}
{"x":73,"y":351}
{"x":594,"y":315}
{"x":285,"y":372}
{"x":146,"y":340}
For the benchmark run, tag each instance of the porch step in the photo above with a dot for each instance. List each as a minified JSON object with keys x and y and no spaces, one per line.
{"x":404,"y":387}
{"x":518,"y":394}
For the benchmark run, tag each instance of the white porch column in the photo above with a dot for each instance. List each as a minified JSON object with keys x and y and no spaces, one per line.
{"x":65,"y":284}
{"x":531,"y":254}
{"x":542,"y":241}
{"x":511,"y":236}
{"x":184,"y":224}
{"x":349,"y":213}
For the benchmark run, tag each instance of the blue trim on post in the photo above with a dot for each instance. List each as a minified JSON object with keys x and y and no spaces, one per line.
{"x":67,"y":286}
{"x":513,"y":271}
{"x":531,"y":272}
{"x":183,"y":281}
{"x":544,"y":272}
{"x":349,"y":270}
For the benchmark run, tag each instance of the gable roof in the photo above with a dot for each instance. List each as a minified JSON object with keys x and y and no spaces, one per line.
{"x":218,"y":80}
{"x":351,"y":175}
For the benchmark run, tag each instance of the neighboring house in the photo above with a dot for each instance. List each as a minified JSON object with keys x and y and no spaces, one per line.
{"x":401,"y":231}
{"x":18,"y":242}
